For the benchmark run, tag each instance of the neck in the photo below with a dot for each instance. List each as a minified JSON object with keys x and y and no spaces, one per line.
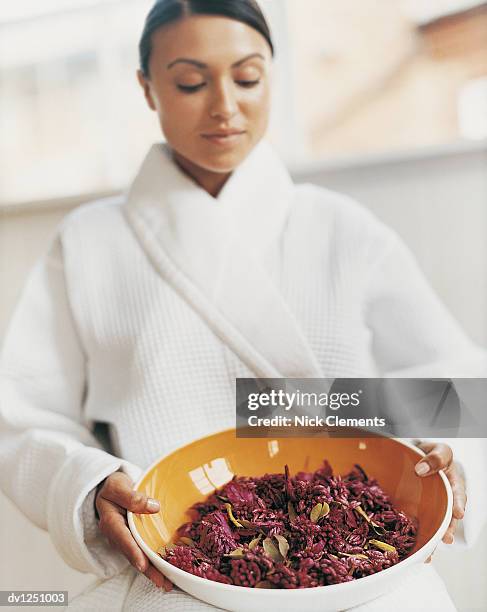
{"x":212,"y":182}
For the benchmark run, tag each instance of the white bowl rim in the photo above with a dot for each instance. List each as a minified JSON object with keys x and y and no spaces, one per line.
{"x":337,"y":588}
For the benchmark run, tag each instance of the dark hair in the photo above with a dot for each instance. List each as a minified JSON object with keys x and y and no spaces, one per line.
{"x":170,"y":11}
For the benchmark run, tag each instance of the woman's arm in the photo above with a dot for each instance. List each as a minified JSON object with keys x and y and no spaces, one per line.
{"x":415,"y":336}
{"x":50,"y":461}
{"x":413,"y":332}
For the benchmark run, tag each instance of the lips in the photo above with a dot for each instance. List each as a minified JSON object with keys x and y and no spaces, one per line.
{"x":224,"y":138}
{"x":223,"y":134}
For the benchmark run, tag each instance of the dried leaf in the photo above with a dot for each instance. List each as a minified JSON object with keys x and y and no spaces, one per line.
{"x":289,"y":484}
{"x":291,"y":511}
{"x":315,"y":513}
{"x":283,"y":545}
{"x":264,"y":584}
{"x":162,"y":551}
{"x":362,"y":512}
{"x":203,"y":536}
{"x":246,"y":524}
{"x":187,"y":542}
{"x":355,"y":556}
{"x":362,"y":471}
{"x":255,"y":541}
{"x":238,"y":553}
{"x":324,"y":510}
{"x":271,"y":549}
{"x":382,"y":545}
{"x":378,"y":529}
{"x":231,"y":517}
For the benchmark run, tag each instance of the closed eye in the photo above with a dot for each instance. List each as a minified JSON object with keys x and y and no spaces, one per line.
{"x":195,"y":88}
{"x":191,"y":88}
{"x":248,"y":83}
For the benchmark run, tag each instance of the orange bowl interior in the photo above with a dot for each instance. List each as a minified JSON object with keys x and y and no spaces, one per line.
{"x":191,"y":473}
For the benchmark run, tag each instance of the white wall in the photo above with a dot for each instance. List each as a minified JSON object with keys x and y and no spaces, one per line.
{"x":438,"y":203}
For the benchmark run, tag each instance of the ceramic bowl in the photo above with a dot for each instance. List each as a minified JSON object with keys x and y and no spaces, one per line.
{"x":191,"y":473}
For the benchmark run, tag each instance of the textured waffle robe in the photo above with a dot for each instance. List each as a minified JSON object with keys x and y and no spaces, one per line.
{"x":145,"y":309}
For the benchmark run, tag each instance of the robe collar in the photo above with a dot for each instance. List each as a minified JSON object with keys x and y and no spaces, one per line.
{"x":212,"y":251}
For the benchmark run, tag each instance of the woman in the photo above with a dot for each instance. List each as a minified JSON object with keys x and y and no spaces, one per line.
{"x":213,"y":266}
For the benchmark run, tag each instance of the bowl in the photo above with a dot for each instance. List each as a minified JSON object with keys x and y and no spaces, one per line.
{"x":189,"y":474}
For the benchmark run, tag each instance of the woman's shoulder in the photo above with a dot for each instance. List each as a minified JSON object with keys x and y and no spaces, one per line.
{"x":325,"y":202}
{"x":345,"y":213}
{"x":94,"y":217}
{"x":95,"y":210}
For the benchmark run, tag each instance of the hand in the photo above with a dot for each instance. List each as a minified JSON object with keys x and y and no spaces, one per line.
{"x":440,"y":457}
{"x":114,"y":497}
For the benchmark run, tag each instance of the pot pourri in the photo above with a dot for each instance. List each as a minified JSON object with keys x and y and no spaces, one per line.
{"x":278,"y":531}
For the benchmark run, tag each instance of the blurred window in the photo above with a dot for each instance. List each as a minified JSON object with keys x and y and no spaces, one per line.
{"x":72,"y":117}
{"x":385,"y":75}
{"x":352,"y":77}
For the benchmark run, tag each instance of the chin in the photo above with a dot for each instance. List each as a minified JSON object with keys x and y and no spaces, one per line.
{"x":224,"y":161}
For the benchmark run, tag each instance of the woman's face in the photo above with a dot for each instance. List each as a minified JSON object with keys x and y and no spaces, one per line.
{"x":210,"y":86}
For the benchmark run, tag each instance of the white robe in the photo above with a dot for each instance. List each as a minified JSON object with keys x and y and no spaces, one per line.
{"x":147,"y":307}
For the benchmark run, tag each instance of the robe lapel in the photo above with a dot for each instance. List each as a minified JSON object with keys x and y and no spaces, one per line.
{"x":211,"y":250}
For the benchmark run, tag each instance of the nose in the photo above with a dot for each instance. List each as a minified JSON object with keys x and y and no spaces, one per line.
{"x":223,"y":103}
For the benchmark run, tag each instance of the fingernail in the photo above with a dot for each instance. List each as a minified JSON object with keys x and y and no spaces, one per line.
{"x":422,"y":468}
{"x":140,"y":567}
{"x":153,"y":505}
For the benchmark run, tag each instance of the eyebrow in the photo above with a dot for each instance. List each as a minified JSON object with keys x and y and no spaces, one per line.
{"x":185,"y":60}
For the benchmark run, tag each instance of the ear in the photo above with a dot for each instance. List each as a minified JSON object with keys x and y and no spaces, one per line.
{"x":144,"y":82}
